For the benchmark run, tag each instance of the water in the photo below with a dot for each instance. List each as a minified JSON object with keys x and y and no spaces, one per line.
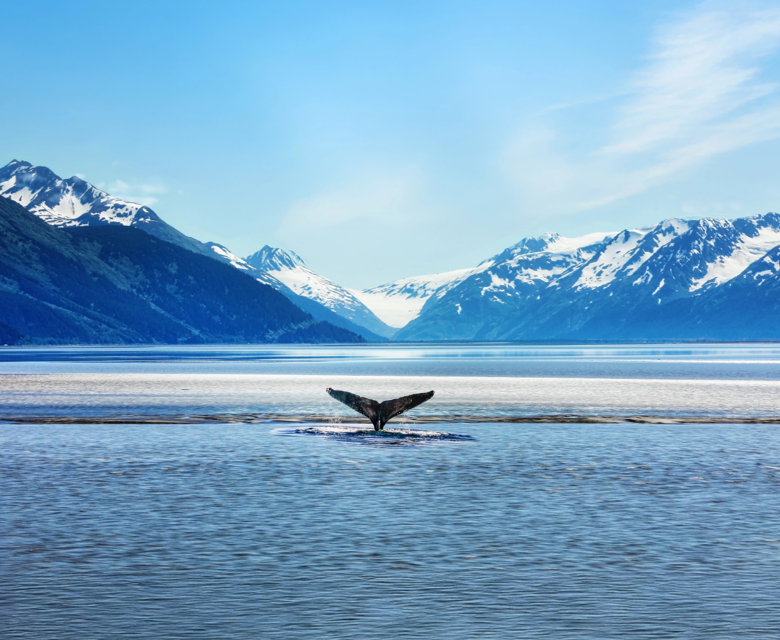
{"x":254,"y":527}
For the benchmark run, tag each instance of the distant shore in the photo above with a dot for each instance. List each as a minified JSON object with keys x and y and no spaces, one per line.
{"x":271,"y":418}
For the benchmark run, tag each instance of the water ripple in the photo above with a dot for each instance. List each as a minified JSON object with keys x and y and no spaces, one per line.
{"x":386,"y":437}
{"x":531,"y":531}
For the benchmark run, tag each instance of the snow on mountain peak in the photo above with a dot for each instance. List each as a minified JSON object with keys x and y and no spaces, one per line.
{"x":528,"y":262}
{"x":65,"y":203}
{"x":16,"y":165}
{"x":76,"y":203}
{"x":560,"y":244}
{"x":749,"y":245}
{"x":289,"y":268}
{"x":552,"y":242}
{"x":532,"y":245}
{"x":602,"y":270}
{"x":273,"y":259}
{"x":676,"y":225}
{"x":708,"y":252}
{"x":232,"y":258}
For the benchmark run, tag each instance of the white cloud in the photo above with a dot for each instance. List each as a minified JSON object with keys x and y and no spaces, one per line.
{"x":700,"y":94}
{"x":140,"y":193}
{"x":702,"y":71}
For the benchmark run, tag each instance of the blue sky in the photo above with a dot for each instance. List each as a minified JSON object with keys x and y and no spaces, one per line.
{"x":384,"y":140}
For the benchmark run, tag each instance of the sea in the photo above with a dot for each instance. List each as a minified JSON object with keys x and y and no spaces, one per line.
{"x":545,"y":491}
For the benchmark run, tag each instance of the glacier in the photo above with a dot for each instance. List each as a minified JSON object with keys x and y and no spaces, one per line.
{"x":399,"y":302}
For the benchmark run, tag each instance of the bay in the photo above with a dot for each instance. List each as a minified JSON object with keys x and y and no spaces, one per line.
{"x":273,"y":516}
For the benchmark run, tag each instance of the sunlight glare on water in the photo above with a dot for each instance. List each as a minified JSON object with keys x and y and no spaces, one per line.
{"x":91,"y":394}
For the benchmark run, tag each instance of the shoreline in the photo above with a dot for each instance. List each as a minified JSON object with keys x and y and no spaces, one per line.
{"x":275,"y":418}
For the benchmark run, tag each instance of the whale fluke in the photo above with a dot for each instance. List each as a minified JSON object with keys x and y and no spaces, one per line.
{"x":379,"y":413}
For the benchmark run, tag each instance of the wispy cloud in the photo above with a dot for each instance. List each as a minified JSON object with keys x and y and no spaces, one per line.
{"x":140,"y":193}
{"x":381,"y":197}
{"x":699,"y":94}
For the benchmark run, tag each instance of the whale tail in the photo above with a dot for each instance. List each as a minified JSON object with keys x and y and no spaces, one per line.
{"x":379,"y":413}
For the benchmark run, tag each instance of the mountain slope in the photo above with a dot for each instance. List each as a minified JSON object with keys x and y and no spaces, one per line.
{"x":679,"y":279}
{"x":497,"y":288}
{"x":114,"y":284}
{"x":75,"y":203}
{"x":747,"y":307}
{"x":649,"y":283}
{"x":289,"y":269}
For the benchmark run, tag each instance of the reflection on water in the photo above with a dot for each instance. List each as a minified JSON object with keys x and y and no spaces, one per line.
{"x":399,"y":351}
{"x":688,"y":361}
{"x":222,"y":395}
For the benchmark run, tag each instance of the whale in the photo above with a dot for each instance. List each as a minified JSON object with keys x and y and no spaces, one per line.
{"x":379,"y":413}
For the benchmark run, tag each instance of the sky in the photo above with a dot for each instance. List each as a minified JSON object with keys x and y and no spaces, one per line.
{"x":382,"y":140}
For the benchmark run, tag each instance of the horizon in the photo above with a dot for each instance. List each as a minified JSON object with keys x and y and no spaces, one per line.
{"x":314,"y":128}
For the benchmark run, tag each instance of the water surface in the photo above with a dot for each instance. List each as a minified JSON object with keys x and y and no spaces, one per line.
{"x":289,"y":528}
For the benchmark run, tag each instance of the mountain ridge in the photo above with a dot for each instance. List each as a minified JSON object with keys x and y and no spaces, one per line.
{"x":644,"y":283}
{"x":289,"y":269}
{"x":651,"y":282}
{"x":113,"y":284}
{"x":73,"y":202}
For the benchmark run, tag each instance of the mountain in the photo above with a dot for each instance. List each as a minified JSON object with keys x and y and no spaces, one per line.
{"x":73,"y":202}
{"x":399,"y":302}
{"x":289,"y":269}
{"x":678,"y":279}
{"x":76,"y":203}
{"x":745,"y":308}
{"x":118,"y":284}
{"x":495,"y":289}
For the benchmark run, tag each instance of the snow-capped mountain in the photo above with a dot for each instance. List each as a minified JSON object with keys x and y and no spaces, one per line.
{"x":65,"y":203}
{"x":647,"y":283}
{"x":280,"y":267}
{"x":72,"y":202}
{"x":231,"y":258}
{"x":290,"y":270}
{"x":679,"y":279}
{"x":114,"y":284}
{"x":682,"y":257}
{"x":399,"y":302}
{"x":495,"y":287}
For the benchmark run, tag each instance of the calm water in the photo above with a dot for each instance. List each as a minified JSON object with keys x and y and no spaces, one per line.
{"x":451,"y":530}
